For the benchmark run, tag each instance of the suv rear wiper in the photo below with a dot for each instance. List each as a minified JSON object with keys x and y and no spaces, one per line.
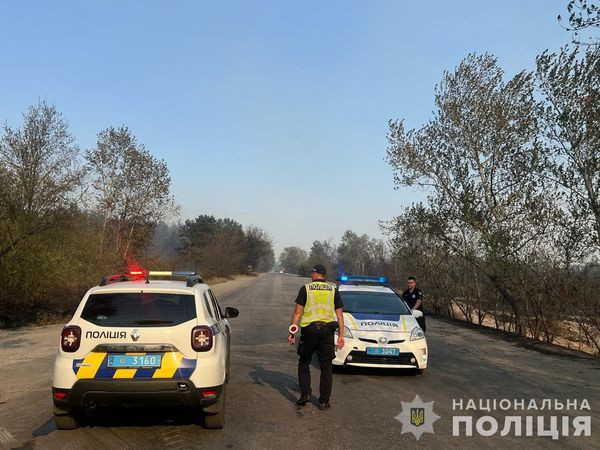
{"x":151,"y":321}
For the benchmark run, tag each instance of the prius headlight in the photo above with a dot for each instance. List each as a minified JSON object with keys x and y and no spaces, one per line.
{"x":347,"y":332}
{"x":416,"y":334}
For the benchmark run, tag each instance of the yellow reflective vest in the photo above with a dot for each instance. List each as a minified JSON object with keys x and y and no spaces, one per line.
{"x":320,"y":305}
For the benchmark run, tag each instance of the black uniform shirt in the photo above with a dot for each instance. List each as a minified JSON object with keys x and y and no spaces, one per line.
{"x":301,"y":298}
{"x":411,"y":298}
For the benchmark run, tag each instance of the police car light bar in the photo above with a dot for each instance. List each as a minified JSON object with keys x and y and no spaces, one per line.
{"x":362,"y":279}
{"x":138,"y":274}
{"x":168,"y":273}
{"x":192,"y":278}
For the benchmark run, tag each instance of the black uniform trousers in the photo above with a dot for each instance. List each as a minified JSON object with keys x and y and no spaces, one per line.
{"x":318,"y":336}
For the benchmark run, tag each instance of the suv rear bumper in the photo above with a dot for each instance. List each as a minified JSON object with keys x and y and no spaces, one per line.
{"x":92,"y":393}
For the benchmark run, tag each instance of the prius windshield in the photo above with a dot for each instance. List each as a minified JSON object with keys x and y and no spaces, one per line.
{"x":373,"y":303}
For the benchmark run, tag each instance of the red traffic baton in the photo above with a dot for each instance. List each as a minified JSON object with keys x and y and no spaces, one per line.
{"x":293,"y":328}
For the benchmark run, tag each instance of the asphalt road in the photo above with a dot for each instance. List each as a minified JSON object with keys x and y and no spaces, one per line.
{"x":465,"y":363}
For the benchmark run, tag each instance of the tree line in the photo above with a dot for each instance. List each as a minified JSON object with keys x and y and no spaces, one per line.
{"x":223,"y":247}
{"x":510,"y":231}
{"x":355,"y":254}
{"x":69,"y":217}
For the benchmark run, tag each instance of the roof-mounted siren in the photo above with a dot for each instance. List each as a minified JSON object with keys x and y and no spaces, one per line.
{"x":367,"y":280}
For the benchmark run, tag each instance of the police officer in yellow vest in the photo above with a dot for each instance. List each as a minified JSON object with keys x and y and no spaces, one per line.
{"x":318,"y":306}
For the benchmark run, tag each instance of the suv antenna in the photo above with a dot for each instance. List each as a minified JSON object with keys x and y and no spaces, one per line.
{"x":147,"y":271}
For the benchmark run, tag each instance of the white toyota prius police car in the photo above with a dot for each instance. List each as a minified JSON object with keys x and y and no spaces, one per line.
{"x":137,"y":340}
{"x":380,"y":329}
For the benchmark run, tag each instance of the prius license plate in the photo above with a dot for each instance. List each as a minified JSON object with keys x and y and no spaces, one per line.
{"x":383,"y":351}
{"x":134,"y":361}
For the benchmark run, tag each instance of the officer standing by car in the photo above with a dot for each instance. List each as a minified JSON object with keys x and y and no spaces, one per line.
{"x":414,"y":299}
{"x":318,"y":306}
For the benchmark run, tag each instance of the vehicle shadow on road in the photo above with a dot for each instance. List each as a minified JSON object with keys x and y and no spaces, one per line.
{"x":139,"y":416}
{"x":373,"y":371}
{"x":284,"y":383}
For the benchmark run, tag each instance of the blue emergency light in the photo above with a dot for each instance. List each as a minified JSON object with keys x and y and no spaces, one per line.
{"x":362,"y":279}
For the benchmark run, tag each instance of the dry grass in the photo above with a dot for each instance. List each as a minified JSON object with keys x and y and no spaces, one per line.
{"x":567,"y":328}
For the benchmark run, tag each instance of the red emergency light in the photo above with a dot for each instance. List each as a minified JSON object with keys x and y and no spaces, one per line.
{"x":136,"y":274}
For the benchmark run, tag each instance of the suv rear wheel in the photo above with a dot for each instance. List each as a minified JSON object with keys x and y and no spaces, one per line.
{"x":66,"y":421}
{"x":217,"y":419}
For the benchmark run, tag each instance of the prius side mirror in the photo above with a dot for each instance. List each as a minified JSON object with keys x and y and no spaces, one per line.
{"x":417,"y":314}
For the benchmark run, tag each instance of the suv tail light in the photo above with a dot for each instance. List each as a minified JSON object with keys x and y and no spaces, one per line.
{"x":209,"y":394}
{"x":60,"y":394}
{"x":70,"y":338}
{"x":202,"y":338}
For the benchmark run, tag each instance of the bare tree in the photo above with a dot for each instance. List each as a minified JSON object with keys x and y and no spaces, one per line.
{"x":355,"y":254}
{"x":325,"y":253}
{"x":40,"y":175}
{"x":583,"y":15}
{"x":570,"y":84}
{"x":480,"y":161}
{"x":259,"y":255}
{"x":132,"y":188}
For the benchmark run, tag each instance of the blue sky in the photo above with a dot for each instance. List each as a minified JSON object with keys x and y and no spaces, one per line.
{"x":273,"y":113}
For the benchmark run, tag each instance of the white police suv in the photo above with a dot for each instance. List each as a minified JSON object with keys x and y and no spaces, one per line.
{"x":138,"y":340}
{"x":380,"y":329}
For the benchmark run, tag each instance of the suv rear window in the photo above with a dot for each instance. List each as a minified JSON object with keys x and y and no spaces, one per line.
{"x":148,"y":309}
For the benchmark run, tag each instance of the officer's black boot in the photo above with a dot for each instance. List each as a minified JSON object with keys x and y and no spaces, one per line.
{"x":324,"y":405}
{"x":303,"y":400}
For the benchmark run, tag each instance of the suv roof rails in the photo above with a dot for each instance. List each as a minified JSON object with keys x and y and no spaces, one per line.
{"x":193,"y":280}
{"x":109,"y":279}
